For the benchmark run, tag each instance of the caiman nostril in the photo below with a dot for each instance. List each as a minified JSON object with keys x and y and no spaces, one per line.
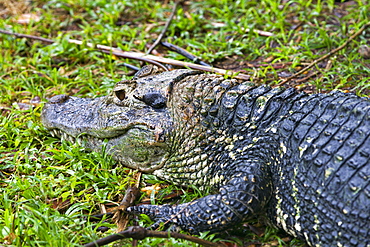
{"x":57,"y":99}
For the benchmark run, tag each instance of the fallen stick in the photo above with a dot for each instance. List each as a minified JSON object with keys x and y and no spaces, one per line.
{"x":138,"y":56}
{"x":184,"y":53}
{"x":331,"y":53}
{"x":139,"y":233}
{"x":161,"y":35}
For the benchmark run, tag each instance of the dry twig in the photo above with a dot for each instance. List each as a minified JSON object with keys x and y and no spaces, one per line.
{"x":161,"y":35}
{"x":331,"y":53}
{"x":137,"y":232}
{"x":120,"y":217}
{"x":140,"y":56}
{"x":184,"y":53}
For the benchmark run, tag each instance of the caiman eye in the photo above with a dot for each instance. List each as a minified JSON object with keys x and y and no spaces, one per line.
{"x":154,"y":99}
{"x":120,"y":94}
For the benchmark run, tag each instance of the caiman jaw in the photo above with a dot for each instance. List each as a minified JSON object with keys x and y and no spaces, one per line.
{"x":136,"y":138}
{"x":132,"y":123}
{"x":138,"y":148}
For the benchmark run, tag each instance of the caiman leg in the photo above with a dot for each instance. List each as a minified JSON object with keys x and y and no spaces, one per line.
{"x":245,"y":194}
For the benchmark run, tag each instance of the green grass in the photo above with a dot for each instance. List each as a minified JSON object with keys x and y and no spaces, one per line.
{"x":38,"y":172}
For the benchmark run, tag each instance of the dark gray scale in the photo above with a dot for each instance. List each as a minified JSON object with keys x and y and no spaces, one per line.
{"x":308,"y":122}
{"x":317,"y":150}
{"x":278,"y":107}
{"x":231,"y":99}
{"x":329,"y":152}
{"x":299,"y":109}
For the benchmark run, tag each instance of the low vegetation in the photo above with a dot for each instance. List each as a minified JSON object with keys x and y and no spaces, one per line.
{"x":48,"y":186}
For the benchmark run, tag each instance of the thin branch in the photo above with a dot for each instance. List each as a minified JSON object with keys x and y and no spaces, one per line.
{"x":102,"y":48}
{"x":247,"y":30}
{"x":184,"y":53}
{"x":161,"y":35}
{"x":120,"y":54}
{"x":259,"y":32}
{"x":121,"y":218}
{"x":307,"y":77}
{"x":19,"y":35}
{"x":332,"y":52}
{"x":140,"y":56}
{"x":139,"y":233}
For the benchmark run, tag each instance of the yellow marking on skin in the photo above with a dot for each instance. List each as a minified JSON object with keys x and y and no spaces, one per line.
{"x":317,"y":222}
{"x":253,"y":127}
{"x":283,"y":216}
{"x":216,"y":179}
{"x":232,"y":155}
{"x":248,"y":147}
{"x":273,"y":129}
{"x":306,"y":236}
{"x":203,"y":157}
{"x":220,"y":139}
{"x":190,"y":161}
{"x":309,"y":139}
{"x":255,"y":139}
{"x":328,"y":172}
{"x":338,"y":158}
{"x":229,"y":147}
{"x":297,"y":227}
{"x":228,"y":140}
{"x":301,"y":150}
{"x":280,"y":216}
{"x":205,"y":170}
{"x":205,"y":164}
{"x":197,"y":159}
{"x":212,"y":138}
{"x":283,"y":149}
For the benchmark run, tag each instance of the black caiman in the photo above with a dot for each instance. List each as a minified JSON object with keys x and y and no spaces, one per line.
{"x":300,"y":160}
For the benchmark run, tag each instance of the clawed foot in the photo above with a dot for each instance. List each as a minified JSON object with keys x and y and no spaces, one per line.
{"x":165,"y":216}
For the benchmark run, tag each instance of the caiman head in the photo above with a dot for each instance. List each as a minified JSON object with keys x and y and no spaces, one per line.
{"x":145,"y":123}
{"x":132,"y":123}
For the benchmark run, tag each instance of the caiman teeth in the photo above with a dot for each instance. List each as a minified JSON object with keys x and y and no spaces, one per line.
{"x":65,"y":137}
{"x":70,"y":138}
{"x":79,"y":141}
{"x":55,"y":133}
{"x":52,"y":133}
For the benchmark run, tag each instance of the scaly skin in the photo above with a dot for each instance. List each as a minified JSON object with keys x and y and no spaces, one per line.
{"x":303,"y":161}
